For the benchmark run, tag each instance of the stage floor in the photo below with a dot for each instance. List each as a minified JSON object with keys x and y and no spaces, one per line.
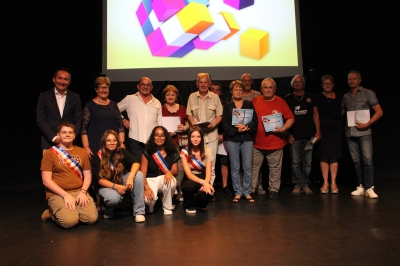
{"x":292,"y":230}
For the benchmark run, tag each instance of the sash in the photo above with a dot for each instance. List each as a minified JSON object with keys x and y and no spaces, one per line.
{"x":161,"y":162}
{"x":195,"y":163}
{"x":68,"y":161}
{"x":112,"y":166}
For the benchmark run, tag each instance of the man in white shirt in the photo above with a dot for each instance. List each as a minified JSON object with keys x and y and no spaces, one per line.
{"x":144,"y":113}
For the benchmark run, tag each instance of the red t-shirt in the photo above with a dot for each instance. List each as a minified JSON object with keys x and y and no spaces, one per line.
{"x":262,"y":139}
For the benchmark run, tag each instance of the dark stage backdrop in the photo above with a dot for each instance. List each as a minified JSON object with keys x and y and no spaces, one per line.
{"x":37,"y":37}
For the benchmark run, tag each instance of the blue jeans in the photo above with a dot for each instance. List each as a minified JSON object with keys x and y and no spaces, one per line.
{"x":361,"y":149}
{"x":301,"y":163}
{"x":234,"y":149}
{"x":111,"y":197}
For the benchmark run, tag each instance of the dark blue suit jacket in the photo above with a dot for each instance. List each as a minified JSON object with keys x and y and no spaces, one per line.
{"x":48,"y":115}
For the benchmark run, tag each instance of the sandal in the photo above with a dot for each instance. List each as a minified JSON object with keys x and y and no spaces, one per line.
{"x":250,"y":199}
{"x":236,"y":199}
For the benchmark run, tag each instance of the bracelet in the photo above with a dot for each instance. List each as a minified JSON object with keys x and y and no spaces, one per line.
{"x":84,"y":191}
{"x":64,"y":195}
{"x":113,"y":186}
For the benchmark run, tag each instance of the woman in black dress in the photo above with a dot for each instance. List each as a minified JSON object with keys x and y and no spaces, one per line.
{"x":328,"y":108}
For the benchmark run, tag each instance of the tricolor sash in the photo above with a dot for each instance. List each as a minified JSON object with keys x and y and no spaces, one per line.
{"x":194,"y":162}
{"x":161,"y":162}
{"x":68,"y":161}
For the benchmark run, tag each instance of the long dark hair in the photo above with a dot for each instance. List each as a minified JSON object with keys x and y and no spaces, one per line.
{"x":105,"y":167}
{"x":170,"y":145}
{"x":201,"y":145}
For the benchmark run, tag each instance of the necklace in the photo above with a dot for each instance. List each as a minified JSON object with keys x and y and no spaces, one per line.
{"x":298,"y":98}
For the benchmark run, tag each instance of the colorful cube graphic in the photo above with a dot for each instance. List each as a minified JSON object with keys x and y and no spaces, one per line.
{"x":158,"y":46}
{"x":195,"y":18}
{"x":232,"y":24}
{"x":216,"y":31}
{"x":165,"y":9}
{"x":254,"y":43}
{"x":173,"y":33}
{"x":174,"y":28}
{"x":204,"y":2}
{"x":239,"y":4}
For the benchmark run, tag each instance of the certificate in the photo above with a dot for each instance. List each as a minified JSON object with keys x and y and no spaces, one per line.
{"x":242,"y":116}
{"x":358,"y":116}
{"x":171,"y":122}
{"x":221,"y":149}
{"x":270,"y":122}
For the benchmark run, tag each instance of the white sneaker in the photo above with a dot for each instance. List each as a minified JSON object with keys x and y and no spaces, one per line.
{"x":371,"y":193}
{"x":166,"y":211}
{"x":359,"y":191}
{"x":140,"y":218}
{"x":191,"y":210}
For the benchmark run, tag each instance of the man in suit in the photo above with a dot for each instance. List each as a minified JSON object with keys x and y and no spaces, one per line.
{"x":56,"y":106}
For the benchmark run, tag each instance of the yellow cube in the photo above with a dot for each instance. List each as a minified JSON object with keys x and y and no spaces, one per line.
{"x":254,"y":43}
{"x":195,"y":18}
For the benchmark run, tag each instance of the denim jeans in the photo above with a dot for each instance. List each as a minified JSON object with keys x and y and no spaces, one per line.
{"x":111,"y":197}
{"x":301,"y":163}
{"x":361,"y":149}
{"x":234,"y":149}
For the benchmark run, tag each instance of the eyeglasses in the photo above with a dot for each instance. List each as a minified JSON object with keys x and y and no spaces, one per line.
{"x":237,"y":90}
{"x":104,"y":87}
{"x":160,"y":136}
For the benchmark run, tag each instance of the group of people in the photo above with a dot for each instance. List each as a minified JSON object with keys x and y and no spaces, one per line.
{"x":182,"y":162}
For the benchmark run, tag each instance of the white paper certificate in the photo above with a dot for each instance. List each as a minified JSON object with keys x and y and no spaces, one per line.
{"x":171,"y":122}
{"x":358,"y":116}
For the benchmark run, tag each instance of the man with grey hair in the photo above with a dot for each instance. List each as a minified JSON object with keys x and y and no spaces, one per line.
{"x":205,"y":106}
{"x":305,"y":128}
{"x":248,"y":93}
{"x":359,"y":137}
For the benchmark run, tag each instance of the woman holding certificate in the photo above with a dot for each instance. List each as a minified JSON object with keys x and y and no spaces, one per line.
{"x":172,"y":108}
{"x":239,"y":122}
{"x":329,"y":149}
{"x":197,"y":163}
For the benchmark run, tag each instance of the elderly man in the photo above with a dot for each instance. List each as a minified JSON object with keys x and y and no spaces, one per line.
{"x":205,"y":106}
{"x":270,"y":144}
{"x":248,"y":93}
{"x":359,"y":137}
{"x":144,"y":113}
{"x":306,"y":127}
{"x":66,"y":174}
{"x":56,"y":106}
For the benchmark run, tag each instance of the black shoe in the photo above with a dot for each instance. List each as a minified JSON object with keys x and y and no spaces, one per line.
{"x":227,"y":190}
{"x":273,"y":195}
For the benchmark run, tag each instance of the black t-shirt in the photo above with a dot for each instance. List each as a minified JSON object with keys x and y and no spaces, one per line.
{"x":302,"y":108}
{"x":153,"y":170}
